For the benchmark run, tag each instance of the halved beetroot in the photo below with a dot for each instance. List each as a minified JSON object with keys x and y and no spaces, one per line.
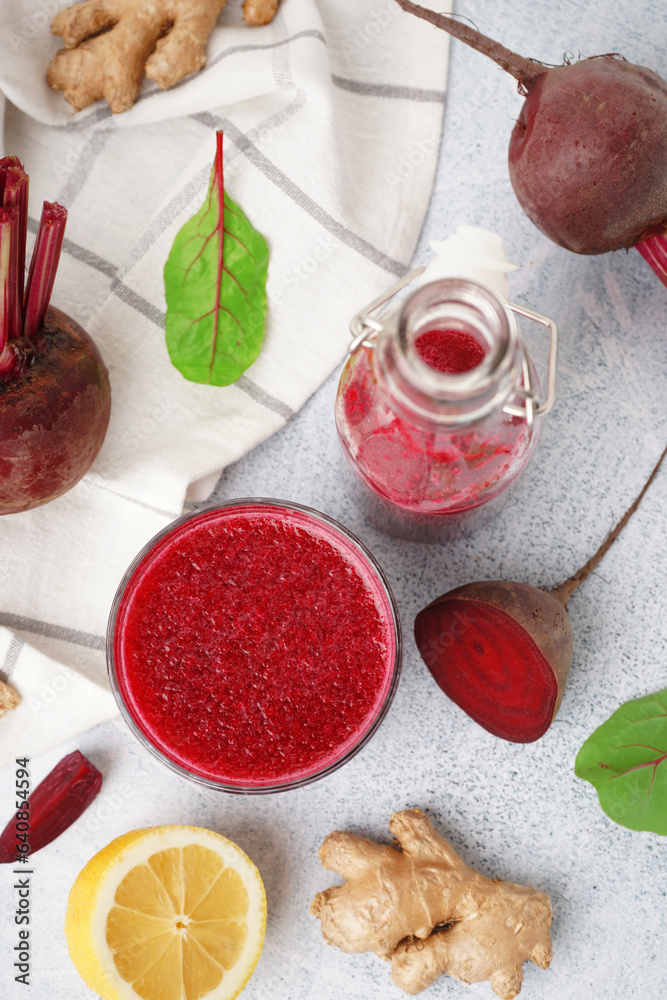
{"x":502,"y":651}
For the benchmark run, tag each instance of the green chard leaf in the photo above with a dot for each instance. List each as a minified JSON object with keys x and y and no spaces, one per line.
{"x":215,"y":284}
{"x":626,"y":761}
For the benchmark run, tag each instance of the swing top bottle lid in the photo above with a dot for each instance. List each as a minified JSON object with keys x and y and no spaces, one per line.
{"x":473,"y":253}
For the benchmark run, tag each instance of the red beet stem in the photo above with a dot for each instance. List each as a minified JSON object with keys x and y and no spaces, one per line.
{"x":565,"y":590}
{"x":16,"y":194}
{"x":7,"y":163}
{"x":10,"y":307}
{"x":654,"y":251}
{"x":523,"y":70}
{"x":43,"y":266}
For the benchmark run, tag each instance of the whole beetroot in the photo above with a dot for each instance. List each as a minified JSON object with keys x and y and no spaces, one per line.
{"x":502,"y":650}
{"x":54,"y":413}
{"x":54,"y":388}
{"x":587,"y":154}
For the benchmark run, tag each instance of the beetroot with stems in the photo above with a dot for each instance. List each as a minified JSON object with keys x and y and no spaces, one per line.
{"x":54,"y":388}
{"x":502,"y":651}
{"x":587,"y":155}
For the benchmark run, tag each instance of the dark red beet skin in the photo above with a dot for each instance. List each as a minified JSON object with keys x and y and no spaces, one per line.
{"x":54,"y":412}
{"x":588,"y":154}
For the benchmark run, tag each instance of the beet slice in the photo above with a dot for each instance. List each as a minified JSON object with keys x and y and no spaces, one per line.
{"x":59,"y":800}
{"x":502,"y":650}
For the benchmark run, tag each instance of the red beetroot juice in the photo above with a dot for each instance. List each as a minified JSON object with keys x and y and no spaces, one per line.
{"x":431,"y":410}
{"x":255,"y":646}
{"x":451,"y":352}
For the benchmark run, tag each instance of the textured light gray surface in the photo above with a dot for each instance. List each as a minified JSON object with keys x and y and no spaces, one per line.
{"x":514,"y":811}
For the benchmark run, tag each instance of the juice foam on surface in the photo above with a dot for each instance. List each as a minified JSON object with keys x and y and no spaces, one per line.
{"x":451,"y":352}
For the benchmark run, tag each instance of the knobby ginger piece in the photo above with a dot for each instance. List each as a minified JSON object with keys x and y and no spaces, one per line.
{"x":426,"y":911}
{"x":9,"y":699}
{"x":110,"y":44}
{"x":259,"y":11}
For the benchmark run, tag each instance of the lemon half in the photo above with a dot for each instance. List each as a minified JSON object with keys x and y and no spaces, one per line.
{"x":167,"y":913}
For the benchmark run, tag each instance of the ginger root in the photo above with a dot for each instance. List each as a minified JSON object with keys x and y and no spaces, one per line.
{"x":259,"y":11}
{"x":110,"y":44}
{"x":426,"y":911}
{"x":9,"y":699}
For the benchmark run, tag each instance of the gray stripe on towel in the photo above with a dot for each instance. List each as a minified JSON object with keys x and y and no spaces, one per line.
{"x":86,"y":160}
{"x":389,"y":90}
{"x":72,"y":635}
{"x":11,"y":659}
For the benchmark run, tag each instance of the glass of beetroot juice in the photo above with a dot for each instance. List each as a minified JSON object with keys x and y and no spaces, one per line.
{"x":254,"y":646}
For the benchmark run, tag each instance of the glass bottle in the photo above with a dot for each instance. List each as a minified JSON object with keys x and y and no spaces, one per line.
{"x":431,"y":439}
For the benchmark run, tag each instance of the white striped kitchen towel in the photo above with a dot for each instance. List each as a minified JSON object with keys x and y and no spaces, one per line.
{"x":332,"y":117}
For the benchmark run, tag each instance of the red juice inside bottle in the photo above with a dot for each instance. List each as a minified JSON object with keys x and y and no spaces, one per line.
{"x":451,"y":352}
{"x":431,"y":417}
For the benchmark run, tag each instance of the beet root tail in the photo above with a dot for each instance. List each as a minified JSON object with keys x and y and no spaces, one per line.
{"x":523,"y":70}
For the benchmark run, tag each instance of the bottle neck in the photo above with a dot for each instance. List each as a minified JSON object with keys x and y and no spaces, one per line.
{"x":479,"y":318}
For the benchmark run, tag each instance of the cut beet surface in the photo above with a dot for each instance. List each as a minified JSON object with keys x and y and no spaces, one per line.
{"x":490,"y":666}
{"x":502,"y":650}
